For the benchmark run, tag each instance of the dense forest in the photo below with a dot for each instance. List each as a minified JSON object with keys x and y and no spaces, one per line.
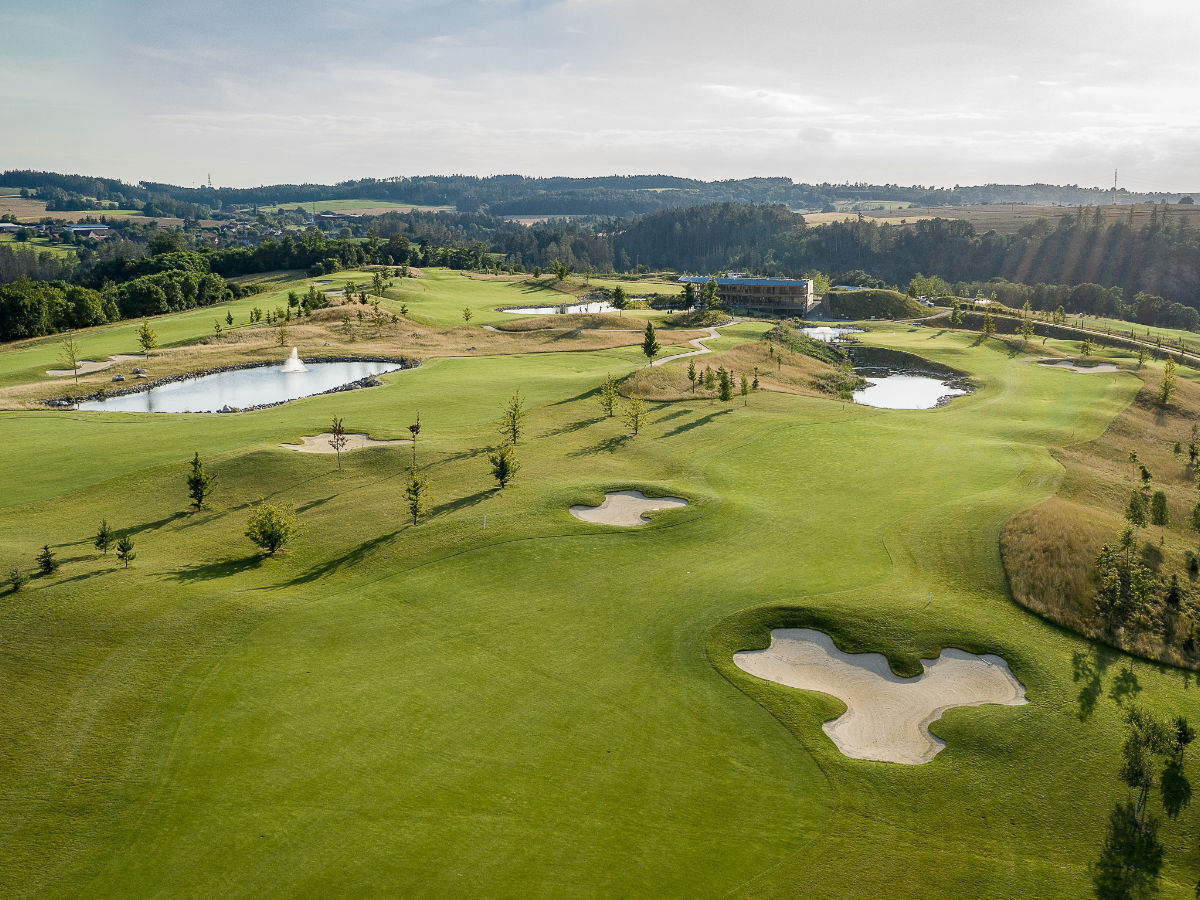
{"x":615,"y":195}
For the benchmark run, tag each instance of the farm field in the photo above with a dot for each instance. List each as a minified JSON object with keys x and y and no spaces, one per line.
{"x":506,"y":701}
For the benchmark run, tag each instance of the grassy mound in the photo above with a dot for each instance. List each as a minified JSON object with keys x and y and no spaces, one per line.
{"x":787,"y":336}
{"x":1050,"y":551}
{"x":881,"y":304}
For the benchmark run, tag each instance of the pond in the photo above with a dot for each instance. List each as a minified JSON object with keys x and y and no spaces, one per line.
{"x":241,"y":388}
{"x":600,"y":306}
{"x":828,"y":334}
{"x":903,"y":391}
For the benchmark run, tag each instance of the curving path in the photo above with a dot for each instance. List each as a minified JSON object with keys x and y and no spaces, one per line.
{"x":697,"y":342}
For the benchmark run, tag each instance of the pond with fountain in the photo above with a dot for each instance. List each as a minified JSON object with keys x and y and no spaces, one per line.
{"x":245,"y":387}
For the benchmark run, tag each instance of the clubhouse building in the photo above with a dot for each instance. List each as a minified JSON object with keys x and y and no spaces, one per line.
{"x":785,"y":296}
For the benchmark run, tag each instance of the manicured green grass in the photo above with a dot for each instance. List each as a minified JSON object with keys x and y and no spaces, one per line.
{"x":40,"y":245}
{"x":538,"y":706}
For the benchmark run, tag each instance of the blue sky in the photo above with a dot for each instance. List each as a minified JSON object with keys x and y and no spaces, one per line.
{"x":917,"y":92}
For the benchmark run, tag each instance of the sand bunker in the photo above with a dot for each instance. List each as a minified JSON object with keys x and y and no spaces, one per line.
{"x":1072,"y":367}
{"x":625,"y":508}
{"x":887,"y":717}
{"x":320,"y":443}
{"x":87,"y":365}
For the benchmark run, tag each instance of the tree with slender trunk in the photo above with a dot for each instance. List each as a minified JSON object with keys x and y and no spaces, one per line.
{"x":466,"y":314}
{"x":415,"y":430}
{"x":745,"y":390}
{"x":634,"y":415}
{"x":650,"y":344}
{"x":125,"y":550}
{"x":338,"y":439}
{"x":609,"y":394}
{"x":146,"y":337}
{"x":710,"y":382}
{"x":1160,"y":514}
{"x":70,"y":355}
{"x":104,"y":537}
{"x":199,"y":483}
{"x":512,"y":419}
{"x":692,"y":374}
{"x":416,"y":492}
{"x":270,"y":527}
{"x":46,"y":560}
{"x":1167,"y":387}
{"x":724,"y":385}
{"x":1135,"y":511}
{"x":504,"y":465}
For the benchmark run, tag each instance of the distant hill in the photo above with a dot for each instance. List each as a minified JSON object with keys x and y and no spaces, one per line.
{"x":517,"y":195}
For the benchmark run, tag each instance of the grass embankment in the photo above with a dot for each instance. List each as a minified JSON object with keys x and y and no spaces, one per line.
{"x":873,"y":303}
{"x":1050,"y":550}
{"x":531,"y":708}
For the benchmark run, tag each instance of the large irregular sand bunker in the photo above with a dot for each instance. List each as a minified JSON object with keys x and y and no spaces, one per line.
{"x":625,"y":508}
{"x":319,"y":443}
{"x":887,"y":717}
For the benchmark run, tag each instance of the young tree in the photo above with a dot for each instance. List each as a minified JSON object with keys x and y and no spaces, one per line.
{"x":560,"y":269}
{"x":104,"y":537}
{"x":1141,"y":357}
{"x":710,"y":382}
{"x":1085,"y":347}
{"x":270,"y":527}
{"x":415,"y":492}
{"x":466,"y":314}
{"x":125,"y":550}
{"x":70,"y":355}
{"x":745,"y":390}
{"x":650,"y":343}
{"x":688,"y":295}
{"x":1146,"y":476}
{"x":754,"y":383}
{"x":609,"y":394}
{"x":146,"y":337}
{"x":229,"y":319}
{"x":692,"y":373}
{"x":47,"y":563}
{"x":1194,"y":517}
{"x":1027,"y":331}
{"x":415,"y":430}
{"x":634,"y":415}
{"x":1167,"y":387}
{"x":199,"y":483}
{"x":281,"y":336}
{"x":724,"y":385}
{"x":1160,"y":514}
{"x":512,"y":419}
{"x":504,"y":465}
{"x":619,"y":299}
{"x":1135,"y":511}
{"x":712,"y":296}
{"x":989,"y":324}
{"x":338,"y":439}
{"x":16,"y":579}
{"x":216,"y":328}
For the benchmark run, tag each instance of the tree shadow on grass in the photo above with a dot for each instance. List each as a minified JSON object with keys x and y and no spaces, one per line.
{"x":1088,"y":672}
{"x":608,"y":445}
{"x":672,"y":415}
{"x":350,"y":558}
{"x":312,"y":504}
{"x":222,"y":569}
{"x":1125,"y":686}
{"x":462,"y":454}
{"x":591,"y":392}
{"x":573,"y":426}
{"x":462,"y":502}
{"x":695,"y":423}
{"x":151,"y":526}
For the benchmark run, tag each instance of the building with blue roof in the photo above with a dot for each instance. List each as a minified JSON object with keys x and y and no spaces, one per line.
{"x":785,"y":296}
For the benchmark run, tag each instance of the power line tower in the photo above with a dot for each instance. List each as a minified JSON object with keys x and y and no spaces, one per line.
{"x":210,"y":181}
{"x":1114,"y":197}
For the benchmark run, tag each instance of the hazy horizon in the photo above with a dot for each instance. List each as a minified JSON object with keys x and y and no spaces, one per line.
{"x":928,"y":93}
